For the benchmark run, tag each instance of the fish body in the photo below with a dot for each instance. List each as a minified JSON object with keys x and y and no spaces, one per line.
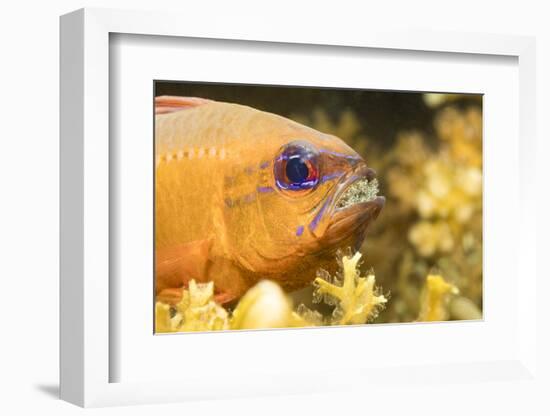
{"x":243,"y":195}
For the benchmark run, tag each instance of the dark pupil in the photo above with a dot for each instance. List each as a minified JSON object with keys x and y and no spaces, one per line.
{"x":296,"y":170}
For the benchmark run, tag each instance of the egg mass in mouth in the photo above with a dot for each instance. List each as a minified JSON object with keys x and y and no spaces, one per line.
{"x":359,"y":191}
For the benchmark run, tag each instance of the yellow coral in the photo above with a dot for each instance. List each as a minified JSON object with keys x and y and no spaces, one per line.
{"x":462,"y":131}
{"x":357,"y":299}
{"x":435,"y":298}
{"x":164,"y":322}
{"x":265,"y":305}
{"x":199,"y":311}
{"x":431,"y":237}
{"x":448,"y":190}
{"x":196,"y":311}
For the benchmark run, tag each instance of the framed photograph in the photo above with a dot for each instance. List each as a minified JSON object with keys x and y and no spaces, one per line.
{"x":289,"y":212}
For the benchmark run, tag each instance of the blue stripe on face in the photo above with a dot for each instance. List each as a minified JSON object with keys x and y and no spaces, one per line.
{"x":247,"y":199}
{"x":313,"y":224}
{"x":265,"y":189}
{"x":264,"y":165}
{"x":330,"y":177}
{"x":299,"y":230}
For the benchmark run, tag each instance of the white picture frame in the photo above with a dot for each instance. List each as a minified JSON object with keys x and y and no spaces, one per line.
{"x":87,"y":308}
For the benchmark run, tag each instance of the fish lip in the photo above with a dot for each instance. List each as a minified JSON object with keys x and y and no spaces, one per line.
{"x":359,"y":213}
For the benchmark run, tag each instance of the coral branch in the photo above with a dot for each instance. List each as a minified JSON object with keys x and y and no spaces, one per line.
{"x":435,"y":297}
{"x":357,"y":299}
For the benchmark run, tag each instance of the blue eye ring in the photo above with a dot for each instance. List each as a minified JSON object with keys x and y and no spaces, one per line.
{"x":296,"y":167}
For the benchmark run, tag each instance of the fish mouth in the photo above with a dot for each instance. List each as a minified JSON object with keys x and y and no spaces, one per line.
{"x":358,"y":188}
{"x":359,"y":191}
{"x":356,"y":204}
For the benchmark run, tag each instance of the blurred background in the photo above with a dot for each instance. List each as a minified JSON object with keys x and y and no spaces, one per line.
{"x":427,"y":151}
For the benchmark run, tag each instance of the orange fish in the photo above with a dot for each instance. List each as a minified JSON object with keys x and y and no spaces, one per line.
{"x":243,"y":195}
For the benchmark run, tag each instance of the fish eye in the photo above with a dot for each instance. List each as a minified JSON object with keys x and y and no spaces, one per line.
{"x":296,"y":168}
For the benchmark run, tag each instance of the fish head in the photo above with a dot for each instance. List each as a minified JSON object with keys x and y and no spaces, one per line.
{"x":316,"y":195}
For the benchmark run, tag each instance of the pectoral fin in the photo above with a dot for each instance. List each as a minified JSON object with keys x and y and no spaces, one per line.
{"x":176,"y":266}
{"x":171,"y":296}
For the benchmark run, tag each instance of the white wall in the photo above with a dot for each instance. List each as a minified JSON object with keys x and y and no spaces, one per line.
{"x":29,"y":186}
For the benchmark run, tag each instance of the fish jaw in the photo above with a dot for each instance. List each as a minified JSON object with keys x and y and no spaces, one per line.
{"x":353,"y":220}
{"x":346,"y":230}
